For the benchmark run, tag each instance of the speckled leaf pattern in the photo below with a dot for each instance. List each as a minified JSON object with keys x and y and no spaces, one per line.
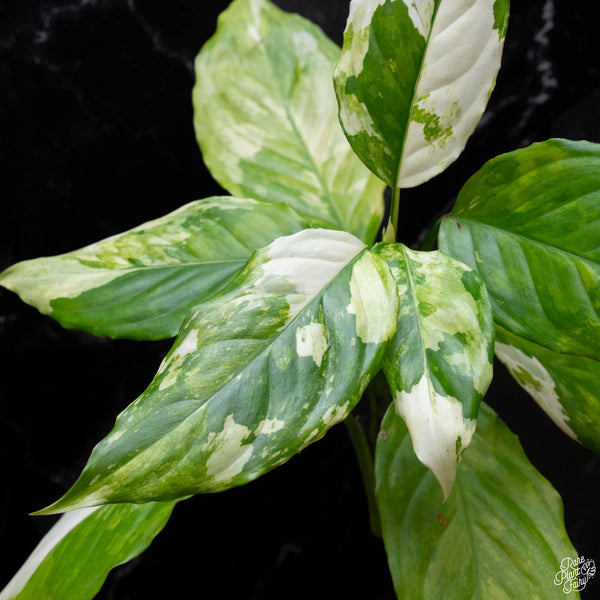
{"x":500,"y":534}
{"x":439,"y":365}
{"x":265,"y":116}
{"x":75,"y":556}
{"x":414,"y":79}
{"x":529,"y":223}
{"x":257,"y":373}
{"x":141,"y":284}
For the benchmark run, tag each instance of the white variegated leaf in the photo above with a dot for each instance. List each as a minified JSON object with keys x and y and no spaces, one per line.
{"x":140,"y":284}
{"x":265,"y":116}
{"x":439,"y":365}
{"x":414,"y":79}
{"x":75,"y":556}
{"x":257,"y":373}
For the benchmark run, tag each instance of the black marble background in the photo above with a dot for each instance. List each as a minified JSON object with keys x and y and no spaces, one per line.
{"x":96,"y":137}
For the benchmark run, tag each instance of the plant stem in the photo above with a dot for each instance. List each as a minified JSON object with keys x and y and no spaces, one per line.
{"x":395,"y":214}
{"x":390,"y":233}
{"x":367,"y":471}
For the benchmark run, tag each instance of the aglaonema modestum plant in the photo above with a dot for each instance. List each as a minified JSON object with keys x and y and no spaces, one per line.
{"x":289,"y":298}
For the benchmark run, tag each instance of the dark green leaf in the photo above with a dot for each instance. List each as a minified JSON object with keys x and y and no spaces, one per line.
{"x":529,"y":223}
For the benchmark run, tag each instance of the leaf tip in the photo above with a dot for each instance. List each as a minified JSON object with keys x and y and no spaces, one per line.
{"x":69,"y":502}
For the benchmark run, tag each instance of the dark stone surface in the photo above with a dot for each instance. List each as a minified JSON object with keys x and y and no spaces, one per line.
{"x":96,"y":136}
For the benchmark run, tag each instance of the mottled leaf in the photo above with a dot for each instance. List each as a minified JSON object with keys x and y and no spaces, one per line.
{"x":414,"y":79}
{"x":439,"y":365}
{"x":75,"y":556}
{"x":266,"y":119}
{"x":140,"y":284}
{"x":529,"y":223}
{"x":499,"y":536}
{"x":258,"y":372}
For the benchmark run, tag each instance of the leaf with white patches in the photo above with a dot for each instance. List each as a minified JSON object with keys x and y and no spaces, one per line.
{"x":529,"y":223}
{"x":258,"y":372}
{"x":265,"y":116}
{"x":75,"y":556}
{"x":500,"y":534}
{"x":141,"y":284}
{"x":414,"y":79}
{"x":439,"y":365}
{"x":564,"y":385}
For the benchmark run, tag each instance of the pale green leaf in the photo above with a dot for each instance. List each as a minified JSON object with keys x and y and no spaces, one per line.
{"x":265,"y":116}
{"x":257,"y":373}
{"x":414,"y":79}
{"x":439,"y":365}
{"x":140,"y":284}
{"x":529,"y":223}
{"x":75,"y":556}
{"x":499,"y":536}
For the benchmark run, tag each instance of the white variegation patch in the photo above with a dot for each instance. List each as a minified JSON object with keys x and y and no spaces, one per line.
{"x":308,"y":260}
{"x":459,"y":69}
{"x":188,"y":345}
{"x":57,"y":533}
{"x":361,"y":12}
{"x":311,"y":341}
{"x":375,"y":314}
{"x":45,"y":286}
{"x":536,"y":381}
{"x":437,"y":427}
{"x":269,"y":426}
{"x":421,"y":13}
{"x":335,"y":414}
{"x":228,"y":454}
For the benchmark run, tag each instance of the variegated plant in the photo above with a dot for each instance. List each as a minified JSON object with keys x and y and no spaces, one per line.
{"x":289,"y":296}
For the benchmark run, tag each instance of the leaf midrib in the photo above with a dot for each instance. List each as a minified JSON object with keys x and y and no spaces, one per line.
{"x":413,"y":298}
{"x":414,"y":98}
{"x":234,"y":376}
{"x":536,"y":242}
{"x":304,"y":148}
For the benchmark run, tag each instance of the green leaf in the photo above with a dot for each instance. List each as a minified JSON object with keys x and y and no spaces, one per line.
{"x":266,"y":119}
{"x":414,"y":79}
{"x":75,"y":556}
{"x":529,"y":223}
{"x":500,"y":534}
{"x":257,"y":373}
{"x":439,"y":364}
{"x":140,"y":284}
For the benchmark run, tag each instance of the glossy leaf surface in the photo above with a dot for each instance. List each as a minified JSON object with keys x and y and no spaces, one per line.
{"x":499,"y":535}
{"x":439,"y":365}
{"x":414,"y":79}
{"x":257,"y":373}
{"x":529,"y":223}
{"x":140,"y":284}
{"x":75,"y":556}
{"x":266,"y":119}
